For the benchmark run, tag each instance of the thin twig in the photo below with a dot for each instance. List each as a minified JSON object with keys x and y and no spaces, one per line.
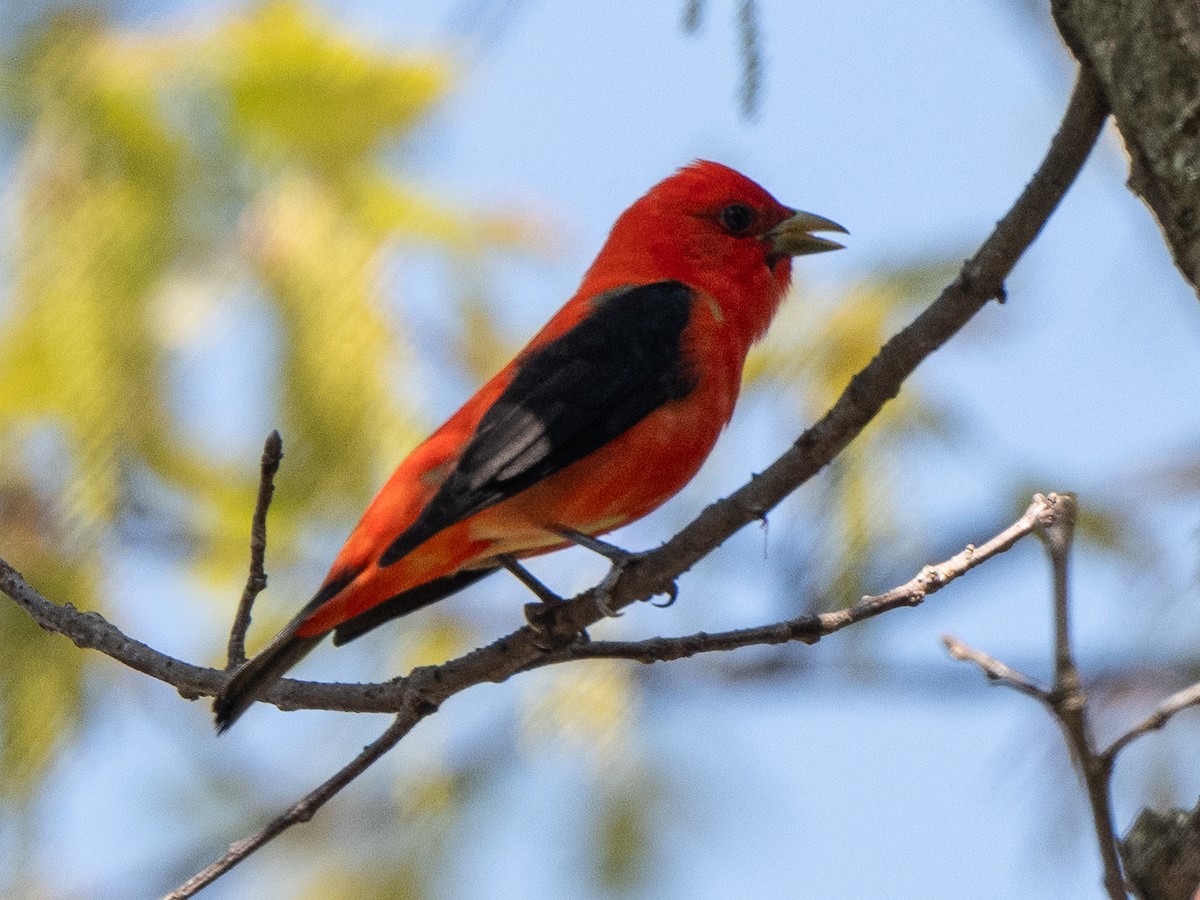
{"x":750,"y":37}
{"x":257,"y":579}
{"x":300,"y":811}
{"x":89,"y":630}
{"x":809,"y":629}
{"x":1058,"y":535}
{"x":997,"y":671}
{"x":1163,"y":713}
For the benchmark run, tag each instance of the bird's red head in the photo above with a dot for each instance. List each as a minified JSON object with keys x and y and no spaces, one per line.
{"x":714,"y":229}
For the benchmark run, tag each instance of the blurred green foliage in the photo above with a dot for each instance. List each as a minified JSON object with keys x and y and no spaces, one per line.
{"x":816,"y":346}
{"x":160,"y":177}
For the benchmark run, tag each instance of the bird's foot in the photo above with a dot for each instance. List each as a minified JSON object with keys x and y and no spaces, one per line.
{"x":542,"y":616}
{"x":548,"y":633}
{"x":620,"y":559}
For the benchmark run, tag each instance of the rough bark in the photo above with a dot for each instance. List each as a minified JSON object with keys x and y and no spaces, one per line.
{"x":1162,"y":855}
{"x":1146,"y":56}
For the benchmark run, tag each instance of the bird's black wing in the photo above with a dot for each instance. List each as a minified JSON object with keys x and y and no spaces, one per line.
{"x":568,"y":398}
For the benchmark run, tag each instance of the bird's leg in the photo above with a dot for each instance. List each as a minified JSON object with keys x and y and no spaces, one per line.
{"x":527,"y":578}
{"x":540,"y":615}
{"x":611,"y":552}
{"x":620,"y":559}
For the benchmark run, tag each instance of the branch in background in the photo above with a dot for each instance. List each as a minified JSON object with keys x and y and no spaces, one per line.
{"x":1163,"y":713}
{"x":1070,"y":706}
{"x":257,"y":579}
{"x":1066,"y":701}
{"x":750,"y":38}
{"x":996,"y":671}
{"x":1065,"y":698}
{"x":749,"y":48}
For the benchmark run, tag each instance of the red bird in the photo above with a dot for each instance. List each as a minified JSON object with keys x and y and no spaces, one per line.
{"x":605,"y":415}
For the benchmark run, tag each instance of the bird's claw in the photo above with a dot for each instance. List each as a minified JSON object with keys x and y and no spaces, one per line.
{"x":621,"y":560}
{"x":542,"y":616}
{"x":602,"y":603}
{"x":672,"y":593}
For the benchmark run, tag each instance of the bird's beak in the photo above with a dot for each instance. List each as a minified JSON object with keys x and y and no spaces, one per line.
{"x":794,"y":235}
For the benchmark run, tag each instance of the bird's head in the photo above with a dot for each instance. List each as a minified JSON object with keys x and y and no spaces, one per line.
{"x":714,"y":229}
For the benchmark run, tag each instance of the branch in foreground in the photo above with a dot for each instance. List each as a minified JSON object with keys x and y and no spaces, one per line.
{"x":809,"y":629}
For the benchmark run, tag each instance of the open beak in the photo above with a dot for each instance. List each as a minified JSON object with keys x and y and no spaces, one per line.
{"x":794,"y":235}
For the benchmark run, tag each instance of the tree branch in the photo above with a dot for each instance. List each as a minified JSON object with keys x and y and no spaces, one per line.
{"x":1163,"y":713}
{"x":809,"y":629}
{"x":1070,"y":705}
{"x":996,"y":671}
{"x":1146,"y":56}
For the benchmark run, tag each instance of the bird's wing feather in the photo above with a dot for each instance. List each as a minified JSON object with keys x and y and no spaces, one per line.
{"x":568,"y":398}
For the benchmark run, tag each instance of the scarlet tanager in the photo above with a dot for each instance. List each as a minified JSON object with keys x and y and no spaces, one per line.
{"x":606,"y":414}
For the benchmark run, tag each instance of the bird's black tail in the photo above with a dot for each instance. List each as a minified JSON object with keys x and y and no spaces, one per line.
{"x":251,"y":680}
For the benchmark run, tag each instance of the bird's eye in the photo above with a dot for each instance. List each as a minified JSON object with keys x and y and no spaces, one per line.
{"x":736,"y":217}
